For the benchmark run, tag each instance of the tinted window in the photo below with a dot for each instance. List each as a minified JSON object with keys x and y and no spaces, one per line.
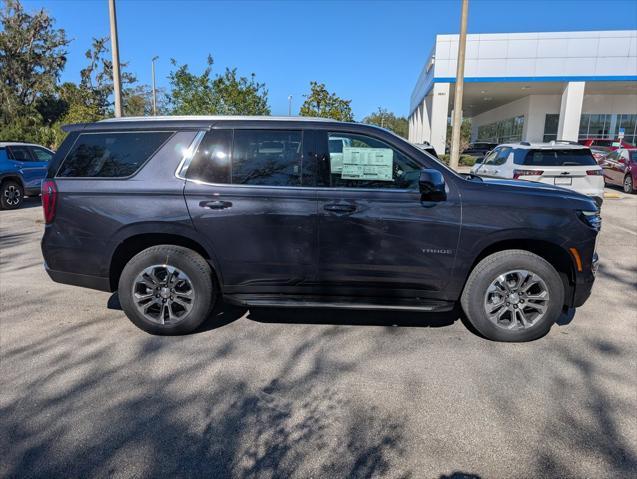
{"x":358,"y":161}
{"x":110,"y":155}
{"x":603,"y":142}
{"x":633,"y":155}
{"x":502,"y":156}
{"x":211,"y":162}
{"x":267,"y":157}
{"x":20,"y":153}
{"x":572,"y":157}
{"x":41,"y":154}
{"x":490,"y":158}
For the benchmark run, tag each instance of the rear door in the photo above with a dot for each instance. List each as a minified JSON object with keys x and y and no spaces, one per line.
{"x":248,"y":194}
{"x":40,"y":163}
{"x":376,"y":236}
{"x":495,"y":164}
{"x":23,"y":161}
{"x":612,"y":168}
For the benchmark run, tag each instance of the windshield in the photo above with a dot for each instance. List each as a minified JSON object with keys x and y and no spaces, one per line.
{"x":566,"y":157}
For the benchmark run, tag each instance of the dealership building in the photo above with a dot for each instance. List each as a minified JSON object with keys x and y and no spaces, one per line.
{"x":530,"y":87}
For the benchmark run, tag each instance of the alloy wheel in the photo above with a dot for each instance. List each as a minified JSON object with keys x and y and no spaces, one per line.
{"x":163,"y":294}
{"x":12,"y":195}
{"x":628,"y":184}
{"x":517,"y":299}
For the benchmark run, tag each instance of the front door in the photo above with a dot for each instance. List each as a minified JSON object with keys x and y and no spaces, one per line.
{"x":245,"y":192}
{"x":376,"y":236}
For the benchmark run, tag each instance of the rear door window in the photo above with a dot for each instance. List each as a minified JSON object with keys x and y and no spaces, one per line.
{"x":267,"y":157}
{"x":211,"y":163}
{"x":111,"y":155}
{"x":40,"y":154}
{"x":566,"y":157}
{"x":20,"y":153}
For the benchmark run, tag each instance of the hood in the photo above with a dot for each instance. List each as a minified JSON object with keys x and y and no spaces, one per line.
{"x":555,"y":193}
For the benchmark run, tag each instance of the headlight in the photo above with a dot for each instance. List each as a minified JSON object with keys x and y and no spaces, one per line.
{"x":591,"y":219}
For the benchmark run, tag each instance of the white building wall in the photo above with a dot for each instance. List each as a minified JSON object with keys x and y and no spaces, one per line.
{"x":625,"y":104}
{"x":539,"y":107}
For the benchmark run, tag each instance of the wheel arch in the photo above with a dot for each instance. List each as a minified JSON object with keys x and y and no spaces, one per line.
{"x":134,"y":244}
{"x":12,"y":176}
{"x":554,"y":254}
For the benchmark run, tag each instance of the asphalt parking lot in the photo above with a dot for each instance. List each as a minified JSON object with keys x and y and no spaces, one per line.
{"x":312,"y":393}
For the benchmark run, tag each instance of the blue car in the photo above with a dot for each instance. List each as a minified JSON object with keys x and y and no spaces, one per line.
{"x":23,"y":166}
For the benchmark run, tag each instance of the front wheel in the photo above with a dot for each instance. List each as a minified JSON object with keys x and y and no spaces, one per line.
{"x":167,"y":290}
{"x":629,"y":186}
{"x":513,"y":295}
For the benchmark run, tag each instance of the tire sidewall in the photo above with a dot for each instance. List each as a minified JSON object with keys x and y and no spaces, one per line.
{"x":5,"y":185}
{"x":487,"y":270}
{"x":192,"y":264}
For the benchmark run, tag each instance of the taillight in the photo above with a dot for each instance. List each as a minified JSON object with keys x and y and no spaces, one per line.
{"x":594,"y":172}
{"x":518,"y":173}
{"x":49,"y":200}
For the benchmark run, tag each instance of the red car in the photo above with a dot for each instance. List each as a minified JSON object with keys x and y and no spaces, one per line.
{"x":592,"y":143}
{"x":620,"y":168}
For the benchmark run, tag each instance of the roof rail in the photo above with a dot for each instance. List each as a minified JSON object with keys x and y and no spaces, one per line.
{"x":525,"y":143}
{"x":566,"y":142}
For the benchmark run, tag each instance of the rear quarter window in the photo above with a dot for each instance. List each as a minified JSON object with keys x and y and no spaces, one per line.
{"x":566,"y":157}
{"x":111,"y":155}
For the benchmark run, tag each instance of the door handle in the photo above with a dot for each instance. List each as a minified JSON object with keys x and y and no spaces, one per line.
{"x":340,"y":208}
{"x":216,"y":204}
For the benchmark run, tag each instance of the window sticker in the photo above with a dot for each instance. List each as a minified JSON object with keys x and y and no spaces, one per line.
{"x":367,"y":164}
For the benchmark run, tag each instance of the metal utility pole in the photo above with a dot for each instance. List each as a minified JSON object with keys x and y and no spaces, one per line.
{"x":290,"y":105}
{"x":152,"y":62}
{"x":456,"y":120}
{"x":117,"y":87}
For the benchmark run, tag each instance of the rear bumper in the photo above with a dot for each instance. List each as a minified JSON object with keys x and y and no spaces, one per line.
{"x":83,"y":280}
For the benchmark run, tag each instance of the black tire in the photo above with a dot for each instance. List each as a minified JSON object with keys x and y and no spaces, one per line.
{"x":11,"y":195}
{"x":199,"y":275}
{"x":629,"y":186}
{"x":490,"y":268}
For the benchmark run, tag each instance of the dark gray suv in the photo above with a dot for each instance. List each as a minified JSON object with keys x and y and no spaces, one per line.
{"x":178,"y":213}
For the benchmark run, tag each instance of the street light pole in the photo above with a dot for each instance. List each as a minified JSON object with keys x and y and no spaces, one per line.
{"x":290,"y":105}
{"x":154,"y":89}
{"x":456,"y":121}
{"x":117,"y":87}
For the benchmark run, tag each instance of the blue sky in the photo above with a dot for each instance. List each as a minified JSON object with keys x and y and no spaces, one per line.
{"x":369,"y":52}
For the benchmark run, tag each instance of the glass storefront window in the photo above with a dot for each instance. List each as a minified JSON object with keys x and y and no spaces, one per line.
{"x":606,"y":126}
{"x":503,"y":131}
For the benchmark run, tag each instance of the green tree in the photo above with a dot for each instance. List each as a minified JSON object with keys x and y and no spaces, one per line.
{"x":32,"y":55}
{"x":387,"y":119}
{"x":465,"y":134}
{"x":226,"y":94}
{"x":322,"y":103}
{"x":97,"y":77}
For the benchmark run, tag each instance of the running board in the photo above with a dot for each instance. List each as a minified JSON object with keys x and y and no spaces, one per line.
{"x":349,"y":303}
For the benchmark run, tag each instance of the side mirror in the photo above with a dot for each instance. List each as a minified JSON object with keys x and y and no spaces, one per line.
{"x":432,"y":185}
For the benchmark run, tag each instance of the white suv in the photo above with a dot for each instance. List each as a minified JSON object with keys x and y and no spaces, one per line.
{"x":564,"y":164}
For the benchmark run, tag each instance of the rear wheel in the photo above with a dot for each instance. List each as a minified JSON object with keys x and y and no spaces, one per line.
{"x":167,"y":290}
{"x":629,"y":186}
{"x":11,"y":195}
{"x":513,"y":295}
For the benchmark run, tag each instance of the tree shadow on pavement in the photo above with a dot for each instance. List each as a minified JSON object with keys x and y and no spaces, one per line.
{"x":96,"y":404}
